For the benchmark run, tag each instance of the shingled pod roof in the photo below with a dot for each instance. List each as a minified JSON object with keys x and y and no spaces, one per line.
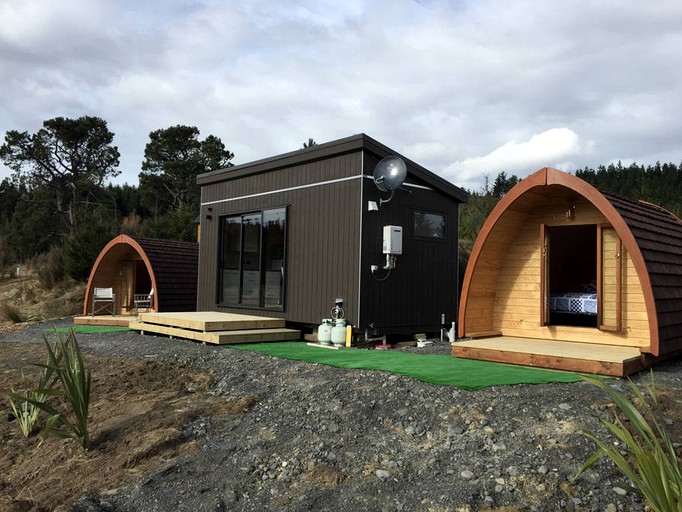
{"x":651,"y":235}
{"x":171,"y":267}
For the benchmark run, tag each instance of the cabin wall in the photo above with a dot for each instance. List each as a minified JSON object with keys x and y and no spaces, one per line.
{"x":424,"y":284}
{"x":483,"y":290}
{"x":110,"y":273}
{"x":323,"y":234}
{"x":516,"y":310}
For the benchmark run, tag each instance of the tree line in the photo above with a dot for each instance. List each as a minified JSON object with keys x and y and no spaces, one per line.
{"x":659,"y":184}
{"x":59,"y":197}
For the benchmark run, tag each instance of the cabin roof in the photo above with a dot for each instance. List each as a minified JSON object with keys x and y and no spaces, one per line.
{"x":658,"y":234}
{"x":328,"y":150}
{"x":175,"y":267}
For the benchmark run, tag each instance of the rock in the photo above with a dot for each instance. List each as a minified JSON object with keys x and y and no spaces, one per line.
{"x":512,"y":471}
{"x":383,"y":474}
{"x":467,"y":474}
{"x":565,"y":407}
{"x":619,"y":491}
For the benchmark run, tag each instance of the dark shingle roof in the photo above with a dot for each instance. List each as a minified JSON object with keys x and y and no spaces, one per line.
{"x":658,"y":234}
{"x":175,"y":266}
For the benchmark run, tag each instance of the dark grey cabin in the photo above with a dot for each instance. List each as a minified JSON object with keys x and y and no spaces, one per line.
{"x":288,"y":235}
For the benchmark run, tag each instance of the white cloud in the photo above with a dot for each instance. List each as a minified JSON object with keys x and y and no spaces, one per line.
{"x":445,"y":83}
{"x":548,"y":148}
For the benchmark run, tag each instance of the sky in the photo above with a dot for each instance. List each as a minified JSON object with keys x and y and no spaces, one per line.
{"x":465,"y":88}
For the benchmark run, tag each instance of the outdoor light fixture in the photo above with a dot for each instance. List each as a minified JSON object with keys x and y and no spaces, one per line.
{"x":208,"y":213}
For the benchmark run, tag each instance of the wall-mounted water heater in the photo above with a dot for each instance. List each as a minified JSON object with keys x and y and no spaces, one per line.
{"x":393,"y":240}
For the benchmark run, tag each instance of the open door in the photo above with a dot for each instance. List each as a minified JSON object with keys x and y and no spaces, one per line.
{"x":609,"y":279}
{"x":568,"y":268}
{"x":544,"y":275}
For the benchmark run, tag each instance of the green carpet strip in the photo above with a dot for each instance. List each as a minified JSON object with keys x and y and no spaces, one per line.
{"x":435,"y":369}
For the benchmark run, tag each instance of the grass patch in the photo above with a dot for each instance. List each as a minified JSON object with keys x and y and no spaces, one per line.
{"x":434,"y":369}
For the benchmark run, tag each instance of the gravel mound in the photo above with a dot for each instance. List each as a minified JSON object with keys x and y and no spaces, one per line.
{"x":323,"y":438}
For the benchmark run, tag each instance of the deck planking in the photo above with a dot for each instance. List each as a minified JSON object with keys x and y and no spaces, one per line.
{"x":220,"y":337}
{"x":594,"y":358}
{"x":210,"y":321}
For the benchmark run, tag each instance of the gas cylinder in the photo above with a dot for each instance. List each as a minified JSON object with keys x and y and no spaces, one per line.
{"x":324,"y":331}
{"x":339,"y":333}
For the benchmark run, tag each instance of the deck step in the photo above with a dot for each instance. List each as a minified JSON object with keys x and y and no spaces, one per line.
{"x":102,"y":320}
{"x":612,"y":360}
{"x":209,"y":321}
{"x":220,"y":337}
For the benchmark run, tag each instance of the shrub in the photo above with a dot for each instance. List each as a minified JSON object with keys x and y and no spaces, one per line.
{"x":65,"y":377}
{"x":650,"y":461}
{"x":82,"y":249}
{"x":11,"y":313}
{"x":50,"y":268}
{"x":22,"y":406}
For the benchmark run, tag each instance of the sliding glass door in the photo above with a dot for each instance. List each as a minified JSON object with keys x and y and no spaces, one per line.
{"x":251,"y":259}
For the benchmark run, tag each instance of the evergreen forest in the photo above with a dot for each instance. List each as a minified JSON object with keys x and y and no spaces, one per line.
{"x":59,"y":202}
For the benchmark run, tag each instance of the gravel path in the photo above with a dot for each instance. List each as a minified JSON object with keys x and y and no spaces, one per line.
{"x":323,"y":438}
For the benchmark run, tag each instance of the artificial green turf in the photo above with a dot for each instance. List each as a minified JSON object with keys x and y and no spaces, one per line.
{"x":89,"y":329}
{"x":435,"y":369}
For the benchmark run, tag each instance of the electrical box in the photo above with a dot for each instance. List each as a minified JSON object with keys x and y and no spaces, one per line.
{"x":393,"y":240}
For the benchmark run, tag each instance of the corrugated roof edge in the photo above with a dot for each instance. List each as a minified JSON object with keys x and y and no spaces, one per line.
{"x":336,"y":147}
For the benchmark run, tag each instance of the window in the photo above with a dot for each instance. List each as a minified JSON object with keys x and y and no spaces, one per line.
{"x":251,"y":259}
{"x":428,"y":225}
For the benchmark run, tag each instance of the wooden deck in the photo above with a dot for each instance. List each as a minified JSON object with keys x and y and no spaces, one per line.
{"x":104,"y":320}
{"x":205,"y":326}
{"x":610,"y":360}
{"x":214,"y":327}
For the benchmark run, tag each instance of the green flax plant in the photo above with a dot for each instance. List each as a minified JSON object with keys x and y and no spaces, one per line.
{"x":68,"y":380}
{"x":24,"y":412}
{"x":648,"y":455}
{"x":23,"y":408}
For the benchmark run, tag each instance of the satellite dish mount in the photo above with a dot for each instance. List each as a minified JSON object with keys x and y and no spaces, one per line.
{"x":389,"y":174}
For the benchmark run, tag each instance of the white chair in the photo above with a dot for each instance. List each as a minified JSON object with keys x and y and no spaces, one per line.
{"x":143,"y":300}
{"x":103,"y":300}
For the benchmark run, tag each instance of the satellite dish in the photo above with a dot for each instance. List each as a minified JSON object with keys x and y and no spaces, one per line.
{"x":390,"y":173}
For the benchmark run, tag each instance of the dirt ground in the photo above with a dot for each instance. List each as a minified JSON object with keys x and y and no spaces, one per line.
{"x":177,"y":425}
{"x":138,"y":410}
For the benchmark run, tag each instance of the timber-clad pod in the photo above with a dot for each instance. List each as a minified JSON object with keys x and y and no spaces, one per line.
{"x":561,"y":261}
{"x":136,"y":265}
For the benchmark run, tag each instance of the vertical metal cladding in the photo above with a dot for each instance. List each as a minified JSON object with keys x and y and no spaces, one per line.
{"x":322,"y":233}
{"x":331,"y":240}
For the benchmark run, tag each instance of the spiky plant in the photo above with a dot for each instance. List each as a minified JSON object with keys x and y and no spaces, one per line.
{"x":23,"y":408}
{"x":650,"y":461}
{"x":23,"y":411}
{"x":69,"y":380}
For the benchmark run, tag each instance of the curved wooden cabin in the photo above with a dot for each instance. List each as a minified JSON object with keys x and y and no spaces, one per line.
{"x":136,"y":265}
{"x":564,"y":275}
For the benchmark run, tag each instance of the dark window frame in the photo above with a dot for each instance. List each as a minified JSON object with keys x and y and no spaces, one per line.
{"x":220,"y":302}
{"x":417,"y":236}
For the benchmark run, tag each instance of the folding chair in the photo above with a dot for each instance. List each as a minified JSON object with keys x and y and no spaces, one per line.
{"x":143,"y":300}
{"x":103,"y":299}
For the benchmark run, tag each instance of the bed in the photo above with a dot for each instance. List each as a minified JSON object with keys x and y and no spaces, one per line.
{"x":573,"y":303}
